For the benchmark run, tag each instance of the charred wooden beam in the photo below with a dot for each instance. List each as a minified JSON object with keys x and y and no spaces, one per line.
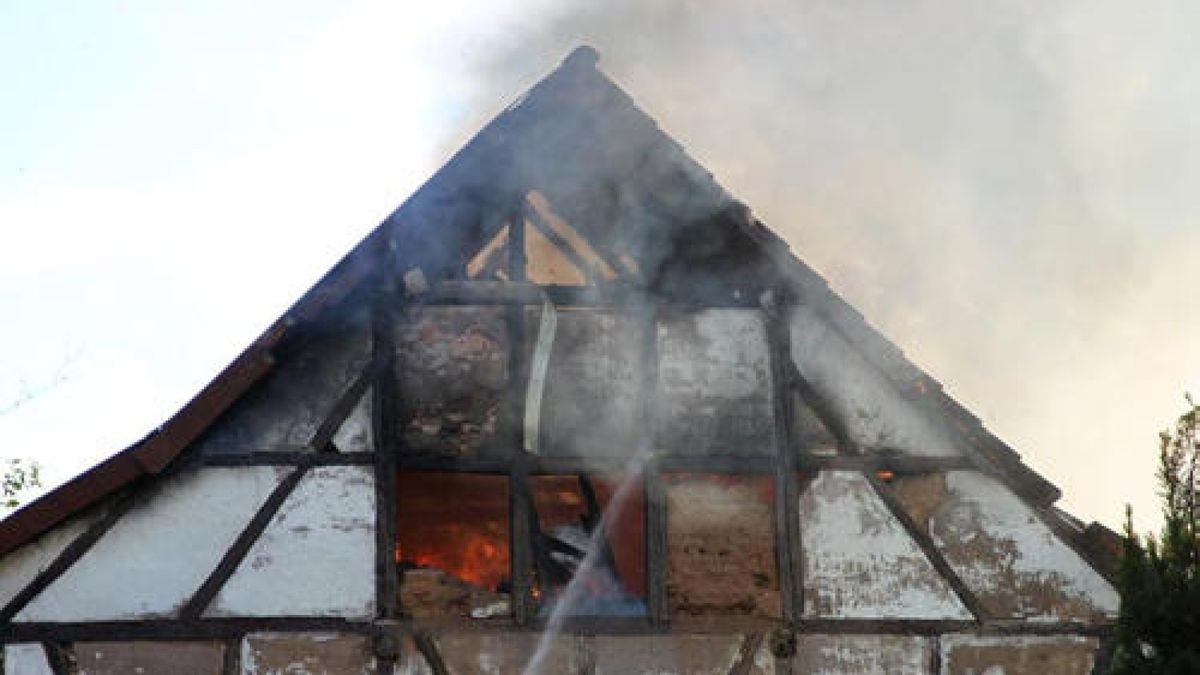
{"x":521,"y":514}
{"x":231,"y":663}
{"x":788,"y":543}
{"x":175,"y":629}
{"x":723,"y":464}
{"x":656,"y":545}
{"x":875,"y":462}
{"x":605,"y":295}
{"x":58,"y":657}
{"x":385,"y":428}
{"x":654,"y":491}
{"x":241,"y":546}
{"x":292,"y":458}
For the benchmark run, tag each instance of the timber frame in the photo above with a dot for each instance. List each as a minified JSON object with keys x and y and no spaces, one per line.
{"x":374,"y":274}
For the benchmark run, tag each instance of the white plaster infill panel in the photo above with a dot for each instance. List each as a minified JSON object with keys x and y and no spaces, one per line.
{"x":860,"y":562}
{"x":156,"y":556}
{"x":873,"y":412}
{"x":316,"y":557}
{"x":1011,"y":559}
{"x":21,"y":566}
{"x":26,"y":659}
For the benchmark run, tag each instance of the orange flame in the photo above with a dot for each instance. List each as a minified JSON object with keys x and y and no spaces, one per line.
{"x":462,"y":552}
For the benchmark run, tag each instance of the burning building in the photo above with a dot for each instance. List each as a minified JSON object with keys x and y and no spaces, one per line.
{"x":570,"y":409}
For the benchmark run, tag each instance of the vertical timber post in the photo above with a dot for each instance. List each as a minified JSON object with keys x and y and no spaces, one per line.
{"x":655,"y":496}
{"x":788,"y":547}
{"x":520,"y":508}
{"x":383,"y":322}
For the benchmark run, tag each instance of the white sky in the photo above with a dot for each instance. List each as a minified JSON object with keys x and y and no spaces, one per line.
{"x":174,"y":175}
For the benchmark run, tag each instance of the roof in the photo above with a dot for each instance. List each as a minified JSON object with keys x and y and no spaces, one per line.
{"x":551,"y":137}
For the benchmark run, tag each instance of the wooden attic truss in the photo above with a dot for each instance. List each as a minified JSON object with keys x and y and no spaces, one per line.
{"x":555,"y":314}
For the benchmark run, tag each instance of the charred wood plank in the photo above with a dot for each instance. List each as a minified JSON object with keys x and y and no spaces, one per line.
{"x":385,"y":428}
{"x":231,"y":664}
{"x":602,"y":295}
{"x":292,"y":458}
{"x":788,"y":543}
{"x":875,"y":462}
{"x":174,"y":629}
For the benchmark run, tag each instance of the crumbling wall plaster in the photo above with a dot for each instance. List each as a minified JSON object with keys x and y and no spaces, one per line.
{"x":1011,"y":560}
{"x":157,"y":555}
{"x":505,"y":653}
{"x":307,"y":654}
{"x":451,"y":365}
{"x":819,"y":654}
{"x":714,"y":383}
{"x":872,"y":411}
{"x":1017,"y":655}
{"x":316,"y":557}
{"x":659,"y":654}
{"x":860,"y":562}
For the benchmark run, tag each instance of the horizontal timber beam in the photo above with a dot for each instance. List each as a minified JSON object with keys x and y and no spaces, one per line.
{"x":292,"y":458}
{"x":223,"y":628}
{"x":516,"y":292}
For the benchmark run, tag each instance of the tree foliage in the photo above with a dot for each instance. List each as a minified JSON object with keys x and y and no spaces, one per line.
{"x":19,"y":477}
{"x":1159,"y":625}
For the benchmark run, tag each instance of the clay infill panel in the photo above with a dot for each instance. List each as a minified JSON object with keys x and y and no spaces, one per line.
{"x":721,"y":558}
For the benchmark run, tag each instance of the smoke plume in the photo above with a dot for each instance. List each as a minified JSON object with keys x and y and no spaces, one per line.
{"x":1004,"y":190}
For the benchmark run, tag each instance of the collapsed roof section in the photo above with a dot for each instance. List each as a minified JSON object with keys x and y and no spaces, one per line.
{"x":625,"y":212}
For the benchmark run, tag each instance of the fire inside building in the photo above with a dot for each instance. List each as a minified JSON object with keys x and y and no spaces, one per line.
{"x":570,"y":409}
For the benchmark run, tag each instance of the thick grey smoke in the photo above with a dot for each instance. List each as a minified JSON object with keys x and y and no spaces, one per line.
{"x":1004,"y":189}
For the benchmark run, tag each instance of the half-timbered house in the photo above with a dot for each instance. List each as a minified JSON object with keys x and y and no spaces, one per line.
{"x":570,"y":408}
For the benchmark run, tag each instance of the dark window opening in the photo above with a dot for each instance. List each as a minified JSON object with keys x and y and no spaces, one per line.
{"x":571,"y":522}
{"x":452,"y":544}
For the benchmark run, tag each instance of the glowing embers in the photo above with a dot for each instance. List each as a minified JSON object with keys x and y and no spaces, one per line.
{"x":452,"y":544}
{"x":720,"y":546}
{"x":451,"y":367}
{"x":588,"y":515}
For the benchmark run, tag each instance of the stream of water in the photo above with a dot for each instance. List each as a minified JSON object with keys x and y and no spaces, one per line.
{"x":574,"y":593}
